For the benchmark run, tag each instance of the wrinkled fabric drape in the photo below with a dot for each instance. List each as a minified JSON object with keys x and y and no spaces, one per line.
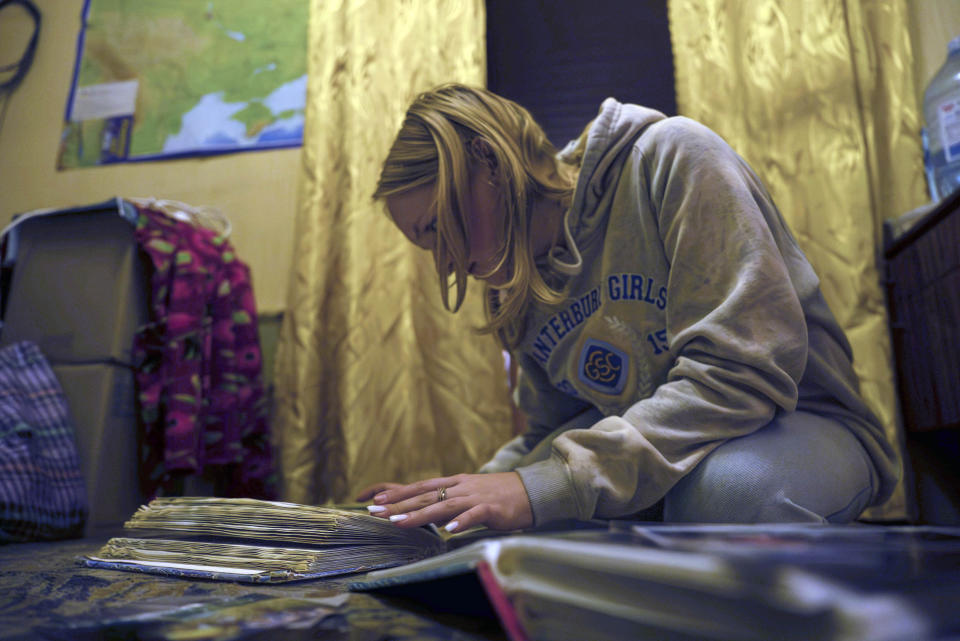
{"x":374,"y":379}
{"x":818,"y":96}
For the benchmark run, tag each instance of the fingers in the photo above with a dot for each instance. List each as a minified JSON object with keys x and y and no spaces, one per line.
{"x":368,"y":492}
{"x":441,"y":512}
{"x":399,"y":502}
{"x":458,"y":515}
{"x":394,"y":493}
{"x":498,"y":501}
{"x":476,"y":515}
{"x":418,"y":503}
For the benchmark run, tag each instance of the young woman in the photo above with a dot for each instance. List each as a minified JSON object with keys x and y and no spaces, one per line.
{"x":674,"y":346}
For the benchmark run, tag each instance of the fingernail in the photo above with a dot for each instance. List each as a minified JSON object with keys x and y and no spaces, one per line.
{"x":397,"y":517}
{"x":376,"y":508}
{"x":380,"y":498}
{"x":451,"y":526}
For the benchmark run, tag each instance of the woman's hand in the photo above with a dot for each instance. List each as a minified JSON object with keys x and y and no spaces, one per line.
{"x":368,"y":492}
{"x":498,"y":501}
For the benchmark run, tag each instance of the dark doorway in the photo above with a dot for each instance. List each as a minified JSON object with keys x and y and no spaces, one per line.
{"x":561,"y":58}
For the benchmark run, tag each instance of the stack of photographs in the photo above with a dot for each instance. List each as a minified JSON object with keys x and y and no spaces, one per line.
{"x":259,"y":541}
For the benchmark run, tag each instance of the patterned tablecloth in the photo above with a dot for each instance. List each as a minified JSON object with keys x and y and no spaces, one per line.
{"x":46,"y":595}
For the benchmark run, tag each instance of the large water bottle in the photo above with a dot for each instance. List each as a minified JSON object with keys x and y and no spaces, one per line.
{"x":941,"y":110}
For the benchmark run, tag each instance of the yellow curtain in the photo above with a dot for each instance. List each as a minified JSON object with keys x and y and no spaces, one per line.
{"x":374,"y":379}
{"x":818,"y":96}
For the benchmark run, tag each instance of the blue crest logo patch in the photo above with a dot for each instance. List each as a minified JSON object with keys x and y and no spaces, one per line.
{"x":603,"y":367}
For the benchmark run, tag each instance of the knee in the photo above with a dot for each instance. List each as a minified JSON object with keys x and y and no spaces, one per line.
{"x":734,"y":487}
{"x":781,"y":474}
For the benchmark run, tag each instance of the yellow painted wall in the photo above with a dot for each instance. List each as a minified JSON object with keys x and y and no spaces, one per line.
{"x":255,"y":190}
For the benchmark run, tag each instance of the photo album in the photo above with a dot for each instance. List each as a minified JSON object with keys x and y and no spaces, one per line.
{"x":250,"y":540}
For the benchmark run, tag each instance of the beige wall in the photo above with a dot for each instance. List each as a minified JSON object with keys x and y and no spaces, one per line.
{"x":256,"y":190}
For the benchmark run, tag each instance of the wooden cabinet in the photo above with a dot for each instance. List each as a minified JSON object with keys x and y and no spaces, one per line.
{"x":923,"y":295}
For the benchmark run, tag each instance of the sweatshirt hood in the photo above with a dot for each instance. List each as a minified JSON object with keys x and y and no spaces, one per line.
{"x":609,"y":138}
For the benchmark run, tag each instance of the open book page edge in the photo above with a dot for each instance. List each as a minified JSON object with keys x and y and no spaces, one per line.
{"x":181,"y":566}
{"x":459,"y":561}
{"x":276,"y":520}
{"x":228,"y":574}
{"x":188,"y":573}
{"x":614,"y":557}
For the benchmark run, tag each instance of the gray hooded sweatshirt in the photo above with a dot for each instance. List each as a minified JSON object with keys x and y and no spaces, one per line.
{"x":693,"y":318}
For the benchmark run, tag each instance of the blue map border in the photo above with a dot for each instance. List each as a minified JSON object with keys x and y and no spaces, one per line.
{"x":199,"y":153}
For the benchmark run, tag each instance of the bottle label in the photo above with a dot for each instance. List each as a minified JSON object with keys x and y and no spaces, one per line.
{"x":950,"y":128}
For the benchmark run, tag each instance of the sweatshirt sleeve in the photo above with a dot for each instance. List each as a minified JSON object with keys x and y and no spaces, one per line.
{"x":735,"y":326}
{"x":546,"y":409}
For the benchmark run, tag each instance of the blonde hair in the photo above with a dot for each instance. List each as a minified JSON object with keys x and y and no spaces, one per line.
{"x":436,"y":144}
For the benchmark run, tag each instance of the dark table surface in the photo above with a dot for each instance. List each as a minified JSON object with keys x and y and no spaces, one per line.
{"x":45,"y":594}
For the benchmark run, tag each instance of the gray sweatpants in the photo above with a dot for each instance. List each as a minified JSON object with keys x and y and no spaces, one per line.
{"x":801,"y":467}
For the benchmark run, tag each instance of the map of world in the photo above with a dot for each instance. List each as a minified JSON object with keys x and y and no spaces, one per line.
{"x":174,"y":78}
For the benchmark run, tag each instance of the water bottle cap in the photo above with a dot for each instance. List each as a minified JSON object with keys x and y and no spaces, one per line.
{"x":953,"y":46}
